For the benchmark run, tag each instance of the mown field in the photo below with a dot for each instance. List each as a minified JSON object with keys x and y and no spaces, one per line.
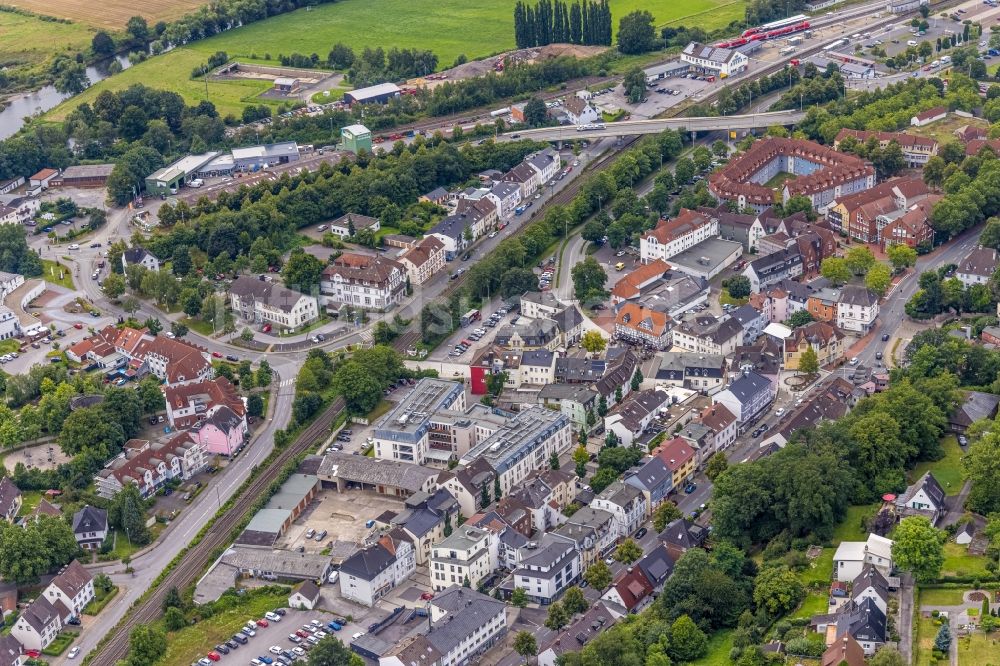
{"x":28,"y":40}
{"x":448,"y":27}
{"x":110,"y":14}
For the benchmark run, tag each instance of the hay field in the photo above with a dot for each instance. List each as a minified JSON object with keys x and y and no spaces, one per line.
{"x":110,"y":14}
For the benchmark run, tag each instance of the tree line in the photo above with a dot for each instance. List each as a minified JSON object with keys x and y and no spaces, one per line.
{"x":557,"y":21}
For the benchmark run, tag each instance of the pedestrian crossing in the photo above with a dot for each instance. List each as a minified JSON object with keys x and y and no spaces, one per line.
{"x":286,"y":382}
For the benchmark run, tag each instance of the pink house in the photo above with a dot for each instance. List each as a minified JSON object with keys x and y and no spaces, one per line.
{"x":223,"y":432}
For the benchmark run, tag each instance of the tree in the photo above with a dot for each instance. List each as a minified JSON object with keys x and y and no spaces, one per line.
{"x":886,"y":656}
{"x":942,"y":642}
{"x":255,"y":405}
{"x":554,"y":460}
{"x":859,"y":259}
{"x":717,"y":464}
{"x":88,"y":429}
{"x":636,"y":33}
{"x":800,"y":318}
{"x":496,"y":489}
{"x":588,"y":281}
{"x":593,"y":341}
{"x":598,"y":575}
{"x":525,"y":644}
{"x":982,"y":467}
{"x":517,"y":281}
{"x":131,"y":305}
{"x":664,"y":514}
{"x":878,"y":279}
{"x":687,"y":641}
{"x":628,"y":551}
{"x":581,"y":457}
{"x":113,"y":286}
{"x":836,"y":270}
{"x":138,"y":29}
{"x":128,"y":513}
{"x":153,"y":324}
{"x":330,"y":651}
{"x":635,"y":85}
{"x":809,"y":362}
{"x":535,"y":112}
{"x":777,"y":590}
{"x":147,"y":645}
{"x":303,"y":271}
{"x":573,"y":601}
{"x":636,"y":380}
{"x":360,"y":390}
{"x":174,"y":619}
{"x":484,"y":496}
{"x":739,"y":286}
{"x":264,"y":373}
{"x":918,"y":547}
{"x":901,"y":256}
{"x":102,"y":45}
{"x":557,"y":617}
{"x":519,"y":598}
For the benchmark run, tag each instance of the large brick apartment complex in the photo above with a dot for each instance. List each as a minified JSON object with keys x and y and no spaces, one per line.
{"x":821,"y":174}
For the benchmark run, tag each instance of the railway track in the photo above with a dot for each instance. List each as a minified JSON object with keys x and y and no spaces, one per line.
{"x":194,"y":561}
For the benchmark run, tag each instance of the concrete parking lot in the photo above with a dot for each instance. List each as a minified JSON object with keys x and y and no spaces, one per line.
{"x":342,"y":515}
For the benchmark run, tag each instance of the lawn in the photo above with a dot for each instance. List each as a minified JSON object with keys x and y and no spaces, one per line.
{"x":820,"y":570}
{"x":29,"y":500}
{"x":948,"y":470}
{"x":850,"y":529}
{"x":441,"y":26}
{"x":188,"y":644}
{"x":9,"y":345}
{"x":100,"y":600}
{"x":124,"y":546}
{"x":59,"y":644}
{"x":939,"y":596}
{"x":923,"y":642}
{"x":719,"y":646}
{"x":815,"y":603}
{"x":978,"y":648}
{"x":199,"y":326}
{"x":57,"y":273}
{"x":958,"y":562}
{"x":779,"y":179}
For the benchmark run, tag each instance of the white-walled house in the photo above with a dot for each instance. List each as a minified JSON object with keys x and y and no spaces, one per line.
{"x":73,"y":587}
{"x":852,"y":556}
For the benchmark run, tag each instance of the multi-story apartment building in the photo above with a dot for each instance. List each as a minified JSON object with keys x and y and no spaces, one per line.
{"x":916,"y":149}
{"x":671,"y":237}
{"x":857,"y":309}
{"x":547,"y":567}
{"x":748,"y":396}
{"x":523,"y":445}
{"x":403,"y":434}
{"x":367,"y":282}
{"x":370,"y":573}
{"x":150,"y":465}
{"x":465,"y":557}
{"x":626,"y":503}
{"x":706,"y":334}
{"x":424,"y":261}
{"x":73,"y":587}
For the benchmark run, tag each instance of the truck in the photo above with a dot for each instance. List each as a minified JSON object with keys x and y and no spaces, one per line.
{"x":788,"y":50}
{"x":500,"y":112}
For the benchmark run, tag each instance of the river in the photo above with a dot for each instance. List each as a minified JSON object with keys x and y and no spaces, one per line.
{"x":43,"y":99}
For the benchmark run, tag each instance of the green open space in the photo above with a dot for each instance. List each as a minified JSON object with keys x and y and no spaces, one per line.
{"x":778,"y":180}
{"x":59,"y":644}
{"x":850,"y":528}
{"x":958,"y":562}
{"x":190,"y":643}
{"x":30,"y":499}
{"x":816,"y":602}
{"x":978,"y":648}
{"x":199,"y":326}
{"x":9,"y":345}
{"x":948,"y":470}
{"x":447,"y":27}
{"x":940,"y":596}
{"x":820,"y":570}
{"x":100,"y":600}
{"x":55,"y":272}
{"x":923,"y":641}
{"x":719,"y":646}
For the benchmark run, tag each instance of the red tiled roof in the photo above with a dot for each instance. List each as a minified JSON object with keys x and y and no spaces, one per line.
{"x":636,"y":317}
{"x":686,"y":222}
{"x":628,"y":286}
{"x":674,"y":453}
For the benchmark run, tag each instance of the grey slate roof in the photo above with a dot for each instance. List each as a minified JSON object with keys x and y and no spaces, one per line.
{"x":90,"y":519}
{"x":375,"y":471}
{"x":368,"y":563}
{"x":467,"y":612}
{"x":749,"y":385}
{"x":657,"y":565}
{"x":873,"y":578}
{"x":930,"y":486}
{"x":683,"y":533}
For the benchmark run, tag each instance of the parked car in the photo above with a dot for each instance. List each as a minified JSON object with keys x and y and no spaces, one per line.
{"x":73,"y":653}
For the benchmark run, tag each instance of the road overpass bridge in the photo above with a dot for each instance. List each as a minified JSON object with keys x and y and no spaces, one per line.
{"x":657,"y":125}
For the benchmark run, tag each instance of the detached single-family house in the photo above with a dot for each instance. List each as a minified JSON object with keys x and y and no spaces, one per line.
{"x":38,"y":624}
{"x":140,"y":256}
{"x":974,"y":407}
{"x":90,"y":527}
{"x":925,"y":498}
{"x":304,"y":596}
